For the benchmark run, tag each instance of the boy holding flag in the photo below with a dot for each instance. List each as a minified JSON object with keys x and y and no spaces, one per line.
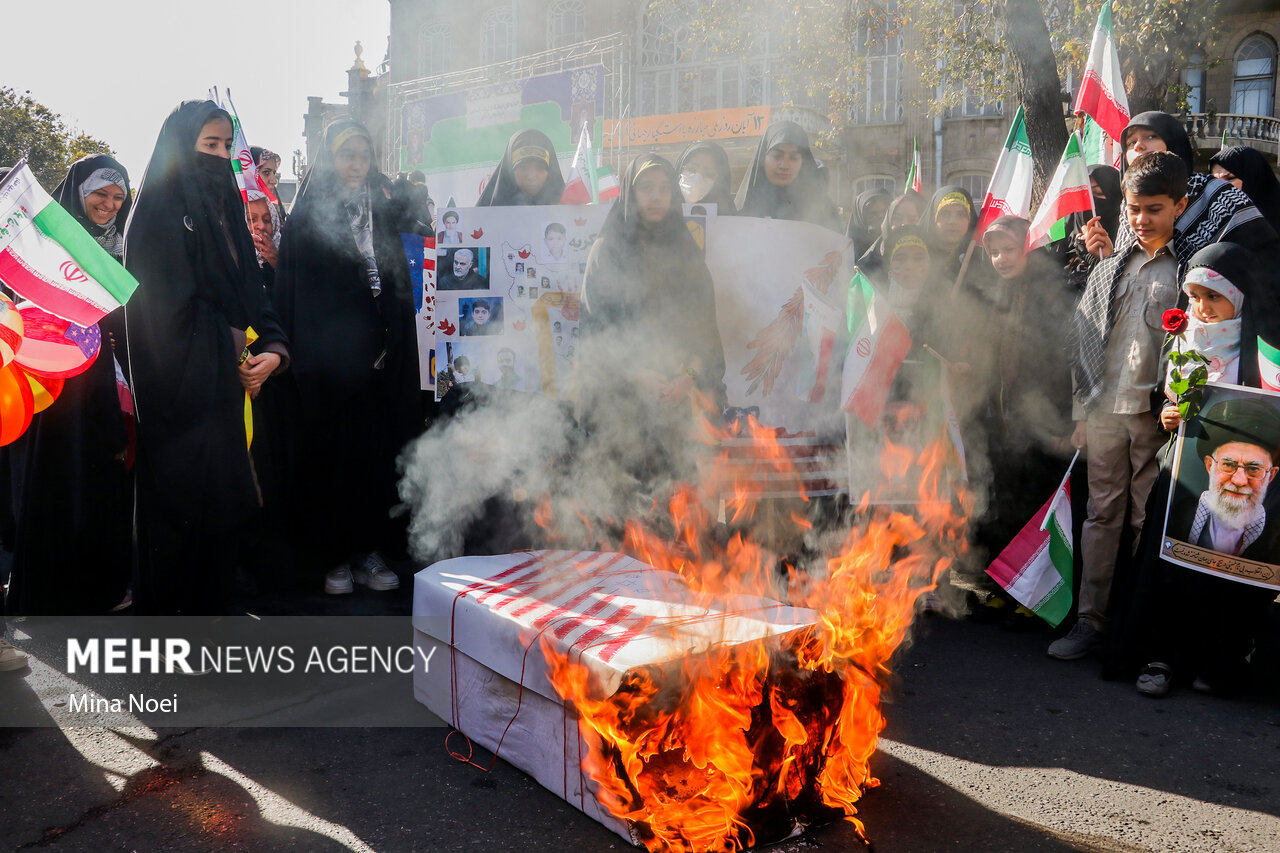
{"x":1116,"y":342}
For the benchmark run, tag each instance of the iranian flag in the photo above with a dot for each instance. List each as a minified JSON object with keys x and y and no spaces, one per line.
{"x":1098,"y":148}
{"x":607,"y":186}
{"x":1035,"y":568}
{"x":588,"y":184}
{"x":913,"y":173}
{"x":47,"y":256}
{"x":1068,"y":193}
{"x":878,"y":344}
{"x":242,"y":158}
{"x":1268,"y":365}
{"x":1102,"y":96}
{"x":1009,"y":193}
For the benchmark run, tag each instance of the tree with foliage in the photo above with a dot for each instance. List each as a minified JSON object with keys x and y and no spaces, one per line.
{"x":984,"y":50}
{"x":32,"y":130}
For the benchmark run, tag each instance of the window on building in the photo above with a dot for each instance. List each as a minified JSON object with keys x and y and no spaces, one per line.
{"x":566,"y":23}
{"x":972,"y":106}
{"x":881,"y":48}
{"x":499,"y":35}
{"x":676,"y":75}
{"x":874,"y":182}
{"x":1253,"y":90}
{"x":1193,"y":79}
{"x":974,"y":183}
{"x":433,"y":49}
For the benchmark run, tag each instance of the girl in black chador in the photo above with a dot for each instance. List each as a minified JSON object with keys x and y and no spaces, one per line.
{"x":703,"y":172}
{"x":72,"y":491}
{"x":528,"y":173}
{"x":193,"y":357}
{"x":783,"y":181}
{"x":344,"y":296}
{"x":650,"y":345}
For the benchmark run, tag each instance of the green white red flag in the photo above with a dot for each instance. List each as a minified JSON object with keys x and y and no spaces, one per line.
{"x":588,"y":183}
{"x":878,"y":344}
{"x":1101,"y":100}
{"x":1035,"y":568}
{"x":1102,"y":96}
{"x":1009,"y":193}
{"x":1099,"y":149}
{"x":242,"y":162}
{"x":48,"y":257}
{"x":1268,"y":365}
{"x":913,"y":173}
{"x":1069,"y":192}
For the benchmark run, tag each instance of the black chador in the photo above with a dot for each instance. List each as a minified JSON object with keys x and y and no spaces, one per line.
{"x":199,"y":293}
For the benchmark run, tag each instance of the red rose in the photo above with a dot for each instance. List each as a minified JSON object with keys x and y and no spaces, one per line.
{"x":1175,"y":321}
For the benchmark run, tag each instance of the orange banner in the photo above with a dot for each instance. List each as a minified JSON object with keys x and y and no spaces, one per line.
{"x":686,"y":127}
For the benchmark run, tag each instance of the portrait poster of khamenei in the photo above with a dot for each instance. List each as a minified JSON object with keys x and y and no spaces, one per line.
{"x":1223,"y":515}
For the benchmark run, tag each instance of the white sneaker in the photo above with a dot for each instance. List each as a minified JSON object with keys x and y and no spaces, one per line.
{"x":338,"y":581}
{"x":11,"y":657}
{"x":374,"y":573}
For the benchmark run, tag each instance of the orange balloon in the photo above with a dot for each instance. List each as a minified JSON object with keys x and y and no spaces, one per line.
{"x":16,"y":404}
{"x":44,"y":390}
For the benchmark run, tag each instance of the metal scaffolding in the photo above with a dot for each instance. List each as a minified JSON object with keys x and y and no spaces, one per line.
{"x":611,"y":51}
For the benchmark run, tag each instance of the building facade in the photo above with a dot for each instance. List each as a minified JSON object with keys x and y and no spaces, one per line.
{"x":661,"y":88}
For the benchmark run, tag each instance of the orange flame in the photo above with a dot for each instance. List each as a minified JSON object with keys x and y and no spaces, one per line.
{"x":748,"y":741}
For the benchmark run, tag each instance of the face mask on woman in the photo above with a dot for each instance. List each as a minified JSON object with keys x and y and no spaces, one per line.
{"x":694,"y":186}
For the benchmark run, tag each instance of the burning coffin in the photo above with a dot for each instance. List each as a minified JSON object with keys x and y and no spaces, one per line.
{"x":679,"y":722}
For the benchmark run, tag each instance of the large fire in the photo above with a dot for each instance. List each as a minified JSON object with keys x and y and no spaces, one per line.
{"x":751,"y":742}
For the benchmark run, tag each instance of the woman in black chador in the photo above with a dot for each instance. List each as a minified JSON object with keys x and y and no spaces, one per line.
{"x":650,"y":344}
{"x":200,"y":293}
{"x":72,"y":491}
{"x":703,"y":172}
{"x":528,"y":173}
{"x":783,"y":180}
{"x":344,"y":295}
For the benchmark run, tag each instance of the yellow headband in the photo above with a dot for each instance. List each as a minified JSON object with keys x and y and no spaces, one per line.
{"x":908,"y":241}
{"x":954,"y":198}
{"x":531,"y":152}
{"x":644,"y":167}
{"x":344,"y":135}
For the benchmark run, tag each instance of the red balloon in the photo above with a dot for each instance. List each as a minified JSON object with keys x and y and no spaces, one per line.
{"x":16,"y":404}
{"x":55,"y":347}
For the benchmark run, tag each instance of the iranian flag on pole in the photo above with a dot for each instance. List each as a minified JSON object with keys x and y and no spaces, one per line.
{"x":913,"y":173}
{"x":1102,"y":96}
{"x":48,"y":257}
{"x":1068,"y":193}
{"x":1268,"y":365}
{"x":1009,"y":193}
{"x":581,"y":186}
{"x":878,"y":344}
{"x":1035,"y":568}
{"x":1102,"y":101}
{"x":1098,"y":148}
{"x":242,"y":158}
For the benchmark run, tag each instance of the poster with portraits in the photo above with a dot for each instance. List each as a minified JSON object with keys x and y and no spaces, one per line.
{"x":505,"y":310}
{"x":1223,"y":512}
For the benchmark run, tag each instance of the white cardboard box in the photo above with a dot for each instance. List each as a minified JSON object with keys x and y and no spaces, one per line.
{"x":489,"y":678}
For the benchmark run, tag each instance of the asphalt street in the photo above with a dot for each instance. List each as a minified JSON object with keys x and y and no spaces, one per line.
{"x":989,"y":745}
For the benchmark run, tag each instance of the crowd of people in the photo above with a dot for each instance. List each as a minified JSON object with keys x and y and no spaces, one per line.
{"x":244,"y":420}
